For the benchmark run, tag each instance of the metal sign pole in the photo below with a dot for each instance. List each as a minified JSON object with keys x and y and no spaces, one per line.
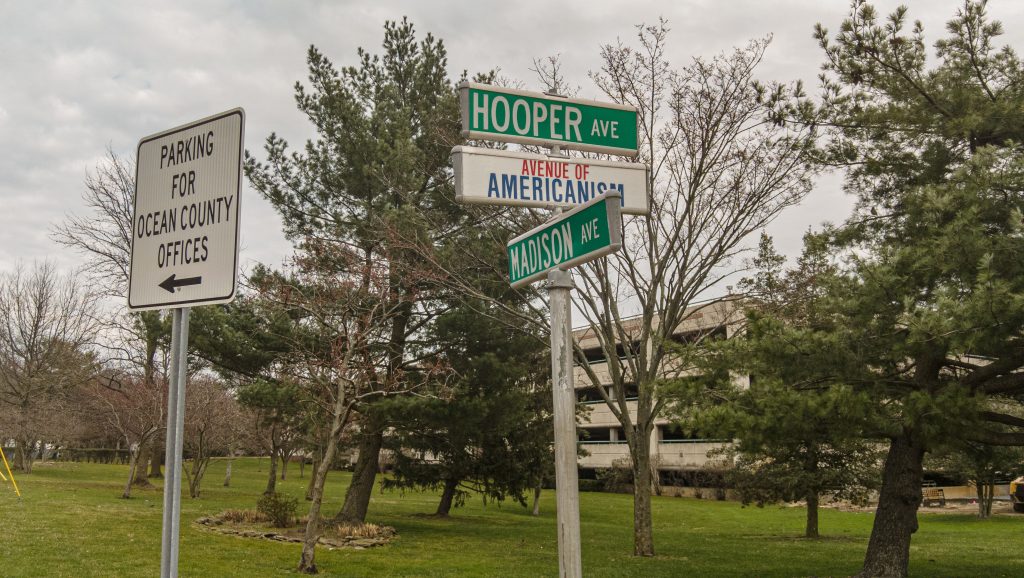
{"x":175,"y":439}
{"x":567,"y":494}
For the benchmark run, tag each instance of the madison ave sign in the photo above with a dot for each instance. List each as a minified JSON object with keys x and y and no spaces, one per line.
{"x":585,"y":233}
{"x":185,"y":224}
{"x":497,"y":177}
{"x":504,"y":114}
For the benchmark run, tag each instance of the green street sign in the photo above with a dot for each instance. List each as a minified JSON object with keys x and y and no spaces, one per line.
{"x":577,"y":236}
{"x":504,"y":114}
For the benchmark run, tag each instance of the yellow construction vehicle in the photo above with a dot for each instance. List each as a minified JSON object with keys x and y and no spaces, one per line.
{"x":1017,"y":494}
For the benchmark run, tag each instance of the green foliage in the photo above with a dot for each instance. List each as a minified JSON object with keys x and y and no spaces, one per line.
{"x":793,"y":438}
{"x":380,"y":162}
{"x":488,"y":427}
{"x":618,"y":479}
{"x":921,"y":309}
{"x":978,"y":463}
{"x":245,"y":337}
{"x":370,"y":207}
{"x":278,"y":508}
{"x":927,"y":298}
{"x":792,"y":444}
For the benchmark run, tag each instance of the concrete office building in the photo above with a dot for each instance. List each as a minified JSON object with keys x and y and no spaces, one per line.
{"x":672,"y":450}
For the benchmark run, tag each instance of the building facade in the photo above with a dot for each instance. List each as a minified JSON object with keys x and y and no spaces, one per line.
{"x":672,"y":450}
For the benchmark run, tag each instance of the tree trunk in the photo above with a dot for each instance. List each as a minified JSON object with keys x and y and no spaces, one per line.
{"x":272,"y":478}
{"x":307,"y":562}
{"x":23,"y":456}
{"x":134,"y":463}
{"x":357,"y":498}
{"x":312,"y":479}
{"x":195,"y":480}
{"x":141,"y":477}
{"x":157,"y":459}
{"x":986,"y":493}
{"x":643,"y":524}
{"x":536,"y":500}
{"x":227,"y":474}
{"x":888,"y":552}
{"x":447,"y":496}
{"x":811,"y":469}
{"x":284,"y":465}
{"x":812,"y":515}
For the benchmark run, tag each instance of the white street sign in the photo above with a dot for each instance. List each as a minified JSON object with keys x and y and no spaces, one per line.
{"x":188,"y":185}
{"x":498,"y":177}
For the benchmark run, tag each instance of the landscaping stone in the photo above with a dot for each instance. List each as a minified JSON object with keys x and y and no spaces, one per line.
{"x":221,"y":526}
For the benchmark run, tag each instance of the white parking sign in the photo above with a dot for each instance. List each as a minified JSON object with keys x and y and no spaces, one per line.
{"x":188,"y":186}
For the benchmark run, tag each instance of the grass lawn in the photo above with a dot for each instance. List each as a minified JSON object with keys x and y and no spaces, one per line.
{"x":71,"y":522}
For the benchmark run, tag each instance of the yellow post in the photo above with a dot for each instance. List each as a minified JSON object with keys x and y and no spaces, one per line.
{"x":9,"y":473}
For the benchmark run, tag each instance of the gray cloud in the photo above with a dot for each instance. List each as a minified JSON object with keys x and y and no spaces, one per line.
{"x":81,"y":76}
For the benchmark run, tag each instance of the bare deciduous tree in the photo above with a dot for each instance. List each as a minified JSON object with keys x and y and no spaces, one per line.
{"x":128,"y":409}
{"x":213,"y":424}
{"x":104,"y":236}
{"x":47,"y":322}
{"x":720,"y":171}
{"x":343,"y":316}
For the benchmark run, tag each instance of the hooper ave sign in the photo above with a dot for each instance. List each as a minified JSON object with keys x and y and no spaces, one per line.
{"x":504,"y":114}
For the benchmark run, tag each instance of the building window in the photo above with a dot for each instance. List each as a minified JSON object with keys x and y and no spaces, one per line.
{"x":596,"y":354}
{"x":632,"y":391}
{"x":588,"y":395}
{"x":699,"y":335}
{"x":674,"y":434}
{"x":591,"y":435}
{"x":591,"y":395}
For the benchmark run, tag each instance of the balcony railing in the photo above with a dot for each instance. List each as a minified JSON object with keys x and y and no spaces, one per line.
{"x":596,"y":401}
{"x":696,"y":441}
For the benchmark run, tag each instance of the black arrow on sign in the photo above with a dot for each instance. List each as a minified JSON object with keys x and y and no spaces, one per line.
{"x":170,"y":283}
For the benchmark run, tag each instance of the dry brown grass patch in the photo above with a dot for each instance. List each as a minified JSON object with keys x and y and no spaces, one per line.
{"x":363,"y":530}
{"x":243,"y":517}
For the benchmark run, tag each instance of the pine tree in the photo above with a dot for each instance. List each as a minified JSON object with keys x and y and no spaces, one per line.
{"x":792,"y":439}
{"x":374,"y":182}
{"x":488,"y":428}
{"x":925,"y":308}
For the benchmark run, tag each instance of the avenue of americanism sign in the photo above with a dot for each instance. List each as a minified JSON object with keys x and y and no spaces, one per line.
{"x":497,"y":177}
{"x":188,"y":186}
{"x":509,"y":115}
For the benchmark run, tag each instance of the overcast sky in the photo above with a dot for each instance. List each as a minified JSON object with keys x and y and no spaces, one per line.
{"x":77,"y":77}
